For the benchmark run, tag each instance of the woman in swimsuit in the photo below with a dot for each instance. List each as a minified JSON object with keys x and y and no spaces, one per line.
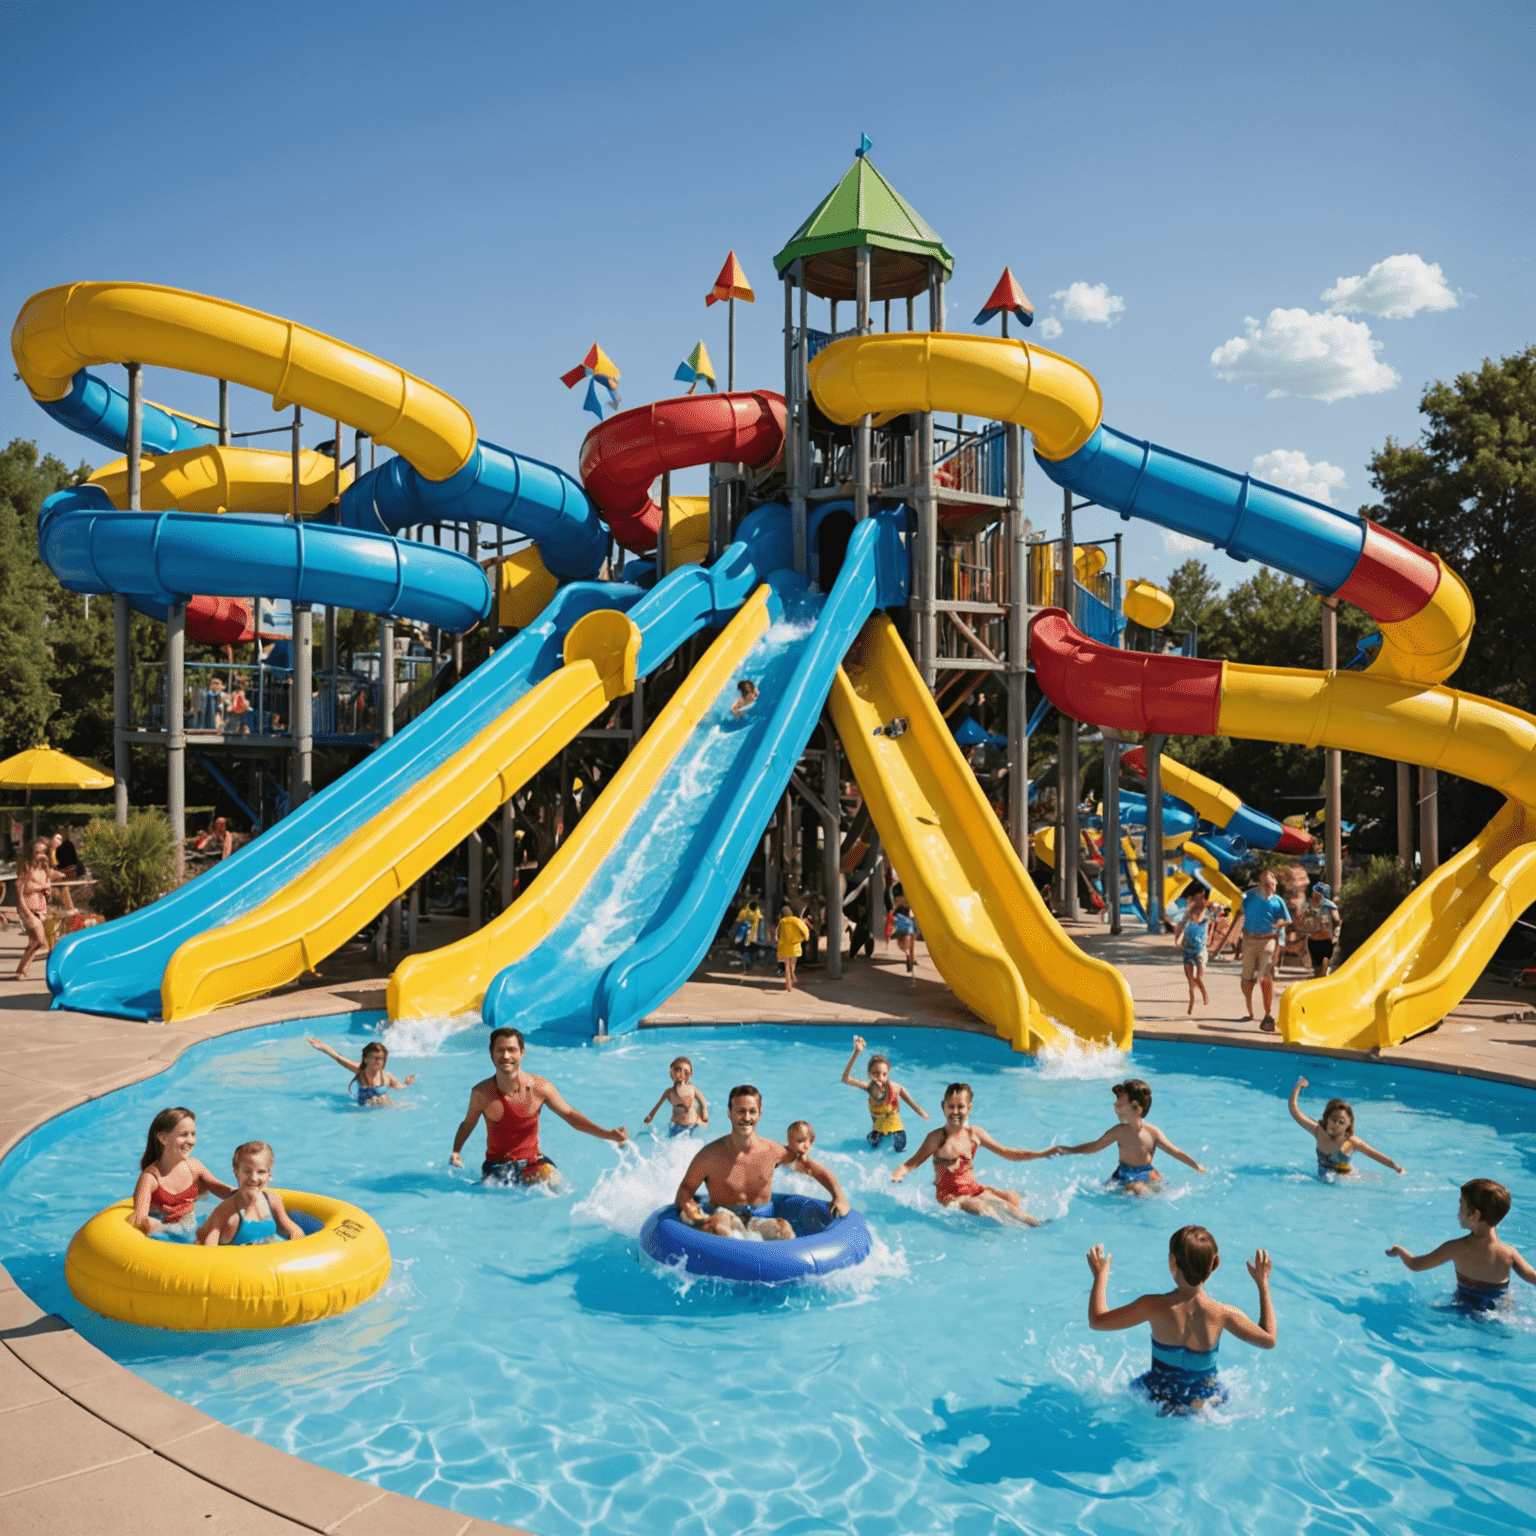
{"x":884,"y":1098}
{"x":953,"y":1150}
{"x":1335,"y":1135}
{"x":34,"y":882}
{"x":369,"y":1074}
{"x":171,"y":1180}
{"x":253,"y":1213}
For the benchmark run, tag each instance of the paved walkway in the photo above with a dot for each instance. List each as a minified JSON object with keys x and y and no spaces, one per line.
{"x":90,"y":1447}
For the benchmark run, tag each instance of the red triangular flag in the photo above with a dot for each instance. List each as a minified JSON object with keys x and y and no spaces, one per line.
{"x":731,"y":284}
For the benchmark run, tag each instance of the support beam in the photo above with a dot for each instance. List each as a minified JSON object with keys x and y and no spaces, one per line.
{"x":122,"y":619}
{"x":1429,"y":822}
{"x":925,"y":556}
{"x":508,"y":856}
{"x":664,"y":533}
{"x":1154,"y":848}
{"x":303,"y":704}
{"x":1404,"y":817}
{"x":1112,"y":832}
{"x":176,"y":730}
{"x":1333,"y":764}
{"x":861,"y":455}
{"x":797,"y":457}
{"x":476,"y":881}
{"x":1067,"y":786}
{"x":1018,"y":648}
{"x":832,"y":853}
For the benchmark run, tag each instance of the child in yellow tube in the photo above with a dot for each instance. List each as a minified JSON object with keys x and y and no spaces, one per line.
{"x":884,"y":1098}
{"x":253,"y":1214}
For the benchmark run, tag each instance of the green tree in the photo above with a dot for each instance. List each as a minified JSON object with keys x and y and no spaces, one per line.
{"x":26,"y":592}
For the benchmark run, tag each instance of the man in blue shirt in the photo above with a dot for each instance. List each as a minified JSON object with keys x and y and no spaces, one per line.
{"x":1262,"y":924}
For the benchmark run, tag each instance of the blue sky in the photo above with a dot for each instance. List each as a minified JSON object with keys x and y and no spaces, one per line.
{"x":478,"y":192}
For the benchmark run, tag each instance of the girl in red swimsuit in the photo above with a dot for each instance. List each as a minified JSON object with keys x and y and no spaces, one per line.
{"x":171,"y":1180}
{"x":953,"y":1150}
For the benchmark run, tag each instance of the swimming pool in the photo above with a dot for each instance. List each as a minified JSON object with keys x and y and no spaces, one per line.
{"x":522,"y":1364}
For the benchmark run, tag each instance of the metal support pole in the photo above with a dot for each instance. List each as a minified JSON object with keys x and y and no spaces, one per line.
{"x":122,"y":630}
{"x":1018,"y":649}
{"x":1112,"y":832}
{"x":877,"y":893}
{"x":223,"y":413}
{"x":1154,"y":848}
{"x":298,"y":421}
{"x":1067,"y":786}
{"x":508,"y":856}
{"x":664,"y":533}
{"x":796,"y":454}
{"x":1404,"y":817}
{"x":925,"y":557}
{"x":730,"y":345}
{"x":832,"y":853}
{"x":861,"y":471}
{"x":176,"y":730}
{"x":1333,"y":766}
{"x":1429,"y":822}
{"x":303,"y":704}
{"x":476,"y":880}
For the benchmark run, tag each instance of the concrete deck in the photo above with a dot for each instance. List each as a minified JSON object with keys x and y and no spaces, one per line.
{"x":91,"y":1446}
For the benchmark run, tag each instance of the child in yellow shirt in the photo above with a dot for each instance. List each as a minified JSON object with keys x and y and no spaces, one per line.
{"x":791,"y":933}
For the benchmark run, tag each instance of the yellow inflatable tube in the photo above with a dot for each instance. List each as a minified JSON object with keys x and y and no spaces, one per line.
{"x":114,"y":1269}
{"x":62,"y":330}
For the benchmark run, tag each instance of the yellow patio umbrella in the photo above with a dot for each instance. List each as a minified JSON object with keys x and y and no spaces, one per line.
{"x":43,"y":768}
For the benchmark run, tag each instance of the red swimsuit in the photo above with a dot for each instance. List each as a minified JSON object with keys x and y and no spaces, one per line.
{"x":958,"y":1180}
{"x":172,"y":1205}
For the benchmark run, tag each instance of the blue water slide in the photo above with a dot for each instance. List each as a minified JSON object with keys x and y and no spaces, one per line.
{"x":652,"y":909}
{"x":1227,"y":850}
{"x":1248,"y":518}
{"x":495,"y":486}
{"x":97,"y":410}
{"x":160,"y":558}
{"x":1178,"y":819}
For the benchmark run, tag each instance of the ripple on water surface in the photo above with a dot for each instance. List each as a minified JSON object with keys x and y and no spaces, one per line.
{"x":524,"y":1364}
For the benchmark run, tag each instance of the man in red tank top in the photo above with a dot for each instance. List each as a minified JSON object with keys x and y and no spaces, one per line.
{"x":510,"y":1102}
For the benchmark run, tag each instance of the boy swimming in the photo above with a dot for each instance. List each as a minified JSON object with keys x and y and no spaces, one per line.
{"x":884,"y":1098}
{"x":1186,"y":1324}
{"x":1483,"y":1260}
{"x":1335,"y":1136}
{"x":689,"y":1106}
{"x":1135,"y":1137}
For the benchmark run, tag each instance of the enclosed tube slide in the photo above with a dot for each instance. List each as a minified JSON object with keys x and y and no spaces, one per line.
{"x":623,"y":455}
{"x":1225,"y":811}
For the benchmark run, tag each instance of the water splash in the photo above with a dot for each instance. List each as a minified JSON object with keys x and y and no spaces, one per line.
{"x":1080,"y":1061}
{"x":416,"y":1038}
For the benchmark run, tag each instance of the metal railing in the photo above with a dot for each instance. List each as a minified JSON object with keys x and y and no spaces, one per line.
{"x":972,"y":461}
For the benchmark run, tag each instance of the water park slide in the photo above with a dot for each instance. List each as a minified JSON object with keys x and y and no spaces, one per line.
{"x":985,"y":924}
{"x":1212,"y":876}
{"x":161,"y":558}
{"x":665,"y":866}
{"x":1225,"y":810}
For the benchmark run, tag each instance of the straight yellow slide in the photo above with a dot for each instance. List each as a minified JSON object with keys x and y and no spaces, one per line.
{"x":986,"y":926}
{"x":293,"y":930}
{"x":453,"y":980}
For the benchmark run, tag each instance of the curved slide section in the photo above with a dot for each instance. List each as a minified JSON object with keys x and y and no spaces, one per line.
{"x":984,"y":921}
{"x":118,"y":968}
{"x":1225,"y":811}
{"x":1437,"y":943}
{"x":621,"y":457}
{"x":353,"y":881}
{"x":665,"y":862}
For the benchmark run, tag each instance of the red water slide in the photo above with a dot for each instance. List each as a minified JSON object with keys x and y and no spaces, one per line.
{"x":622,"y":456}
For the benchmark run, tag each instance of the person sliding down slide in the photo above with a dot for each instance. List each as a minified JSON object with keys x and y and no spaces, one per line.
{"x":510,"y":1102}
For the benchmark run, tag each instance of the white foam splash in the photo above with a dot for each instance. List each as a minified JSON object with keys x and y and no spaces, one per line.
{"x":1079,"y":1061}
{"x":426,"y":1037}
{"x":644,"y":1179}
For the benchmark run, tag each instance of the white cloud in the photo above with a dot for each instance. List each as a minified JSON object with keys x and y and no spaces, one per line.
{"x":1295,"y":352}
{"x":1090,"y":301}
{"x":1179,"y":545}
{"x":1050,"y":328}
{"x":1290,"y":469}
{"x":1395,"y":289}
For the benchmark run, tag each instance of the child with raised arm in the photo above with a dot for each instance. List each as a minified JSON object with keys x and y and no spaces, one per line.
{"x":1136,"y":1139}
{"x":953,"y":1148}
{"x":689,"y":1106}
{"x":1187,"y":1325}
{"x":884,"y":1098}
{"x":373,"y":1082}
{"x":798,"y":1141}
{"x":254,"y":1213}
{"x":1483,"y":1260}
{"x":1191,"y":936}
{"x":171,"y":1180}
{"x":1335,"y":1135}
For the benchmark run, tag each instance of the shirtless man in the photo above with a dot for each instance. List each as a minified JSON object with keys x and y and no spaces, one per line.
{"x":510,"y":1102}
{"x":738,"y":1170}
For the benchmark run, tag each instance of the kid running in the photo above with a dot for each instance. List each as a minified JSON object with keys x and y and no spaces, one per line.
{"x":1192,"y":936}
{"x":904,"y":926}
{"x":1483,"y":1261}
{"x":791,"y":934}
{"x":1187,"y":1325}
{"x":953,"y":1149}
{"x":884,"y":1099}
{"x":1335,"y":1136}
{"x":689,"y":1107}
{"x":171,"y":1180}
{"x":1135,"y":1137}
{"x":369,"y":1074}
{"x":254,"y":1213}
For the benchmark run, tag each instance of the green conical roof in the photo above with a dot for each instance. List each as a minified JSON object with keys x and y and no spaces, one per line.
{"x":865,"y":209}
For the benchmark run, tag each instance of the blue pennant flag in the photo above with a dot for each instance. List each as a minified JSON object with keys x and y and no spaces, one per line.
{"x":592,"y":403}
{"x":865,"y":145}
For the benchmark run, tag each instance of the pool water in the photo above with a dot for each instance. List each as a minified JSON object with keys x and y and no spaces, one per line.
{"x":524,"y":1364}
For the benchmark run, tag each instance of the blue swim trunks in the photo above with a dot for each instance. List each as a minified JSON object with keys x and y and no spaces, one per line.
{"x":524,"y":1170}
{"x":681,"y":1128}
{"x":1126,"y":1174}
{"x":897,"y":1139}
{"x":1479,"y":1295}
{"x":1181,"y":1380}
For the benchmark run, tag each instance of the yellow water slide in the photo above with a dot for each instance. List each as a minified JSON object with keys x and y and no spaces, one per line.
{"x":453,"y":980}
{"x":990,"y":933}
{"x":985,"y":924}
{"x":310,"y":917}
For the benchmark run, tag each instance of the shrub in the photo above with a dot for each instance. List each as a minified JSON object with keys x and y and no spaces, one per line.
{"x":133,"y":865}
{"x":1367,"y":899}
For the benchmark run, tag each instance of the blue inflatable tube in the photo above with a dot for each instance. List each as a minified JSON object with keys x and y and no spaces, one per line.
{"x":822,"y":1243}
